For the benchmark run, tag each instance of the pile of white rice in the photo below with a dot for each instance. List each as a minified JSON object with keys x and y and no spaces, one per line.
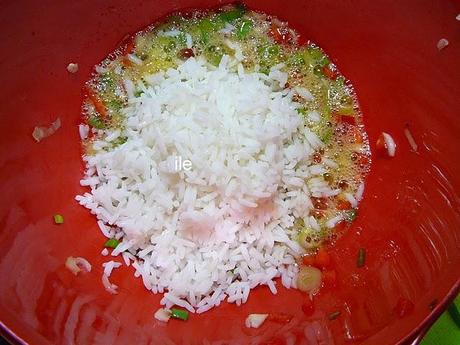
{"x":218,"y":230}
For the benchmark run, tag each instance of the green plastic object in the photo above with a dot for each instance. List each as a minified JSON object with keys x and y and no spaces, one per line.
{"x":445,"y":331}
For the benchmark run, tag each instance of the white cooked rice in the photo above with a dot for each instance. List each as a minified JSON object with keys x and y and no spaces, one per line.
{"x":224,"y":227}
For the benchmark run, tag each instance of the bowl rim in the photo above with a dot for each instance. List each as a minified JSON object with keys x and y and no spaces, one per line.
{"x":413,"y":338}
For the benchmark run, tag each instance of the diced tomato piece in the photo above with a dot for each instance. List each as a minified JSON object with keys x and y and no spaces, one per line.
{"x":309,"y":260}
{"x":329,"y":278}
{"x":308,"y":307}
{"x":319,"y":203}
{"x":97,"y":102}
{"x":330,"y":72}
{"x":403,"y":307}
{"x":343,"y":204}
{"x":126,"y":62}
{"x":186,"y":53}
{"x":280,"y":317}
{"x":281,"y":35}
{"x":357,"y":135}
{"x":350,"y":119}
{"x":322,"y":258}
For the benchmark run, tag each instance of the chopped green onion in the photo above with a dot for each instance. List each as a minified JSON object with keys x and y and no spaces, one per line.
{"x":244,"y":29}
{"x":351,"y":215}
{"x":318,"y":70}
{"x":361,"y":257}
{"x":58,"y":219}
{"x":334,"y":315}
{"x":111,"y":243}
{"x":302,"y":111}
{"x":138,"y":93}
{"x":179,"y":314}
{"x":232,"y":15}
{"x":119,"y":141}
{"x":96,"y":122}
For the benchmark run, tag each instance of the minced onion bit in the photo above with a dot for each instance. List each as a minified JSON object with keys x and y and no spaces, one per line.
{"x":309,"y":279}
{"x":40,"y":133}
{"x":390,"y":144}
{"x":77,"y":265}
{"x":162,"y":315}
{"x":442,"y":43}
{"x":111,"y":288}
{"x":72,"y":67}
{"x":410,"y":139}
{"x":255,"y":320}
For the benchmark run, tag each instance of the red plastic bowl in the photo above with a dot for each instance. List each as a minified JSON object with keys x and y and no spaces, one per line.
{"x":409,"y":220}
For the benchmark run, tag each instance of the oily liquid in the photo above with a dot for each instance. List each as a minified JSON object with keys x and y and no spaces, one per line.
{"x":264,"y":42}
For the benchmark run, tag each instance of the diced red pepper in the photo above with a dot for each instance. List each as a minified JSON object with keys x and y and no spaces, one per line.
{"x":279,"y":317}
{"x":357,"y":135}
{"x":98,"y":104}
{"x":343,"y":204}
{"x":319,"y":203}
{"x":350,"y":119}
{"x":126,"y":62}
{"x":322,"y":258}
{"x":403,"y":307}
{"x":308,"y":307}
{"x":281,"y":35}
{"x":186,"y":53}
{"x":330,"y":72}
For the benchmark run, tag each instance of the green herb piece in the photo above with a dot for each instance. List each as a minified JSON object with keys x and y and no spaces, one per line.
{"x":351,"y":215}
{"x":318,"y":70}
{"x":115,"y":104}
{"x":119,"y":141}
{"x":232,"y":15}
{"x":111,"y":243}
{"x":58,"y":219}
{"x":179,"y":314}
{"x":244,"y":29}
{"x":96,"y":122}
{"x":318,"y":55}
{"x":361,"y":257}
{"x":334,"y":315}
{"x":206,"y":27}
{"x":138,"y":93}
{"x":296,"y":59}
{"x":302,"y":111}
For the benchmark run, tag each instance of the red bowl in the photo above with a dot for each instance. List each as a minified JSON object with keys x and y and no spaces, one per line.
{"x":408,"y":221}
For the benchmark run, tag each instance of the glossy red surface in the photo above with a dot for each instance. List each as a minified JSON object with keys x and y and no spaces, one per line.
{"x":409,"y":220}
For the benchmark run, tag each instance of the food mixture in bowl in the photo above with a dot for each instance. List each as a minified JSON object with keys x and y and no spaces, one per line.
{"x":221,"y":154}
